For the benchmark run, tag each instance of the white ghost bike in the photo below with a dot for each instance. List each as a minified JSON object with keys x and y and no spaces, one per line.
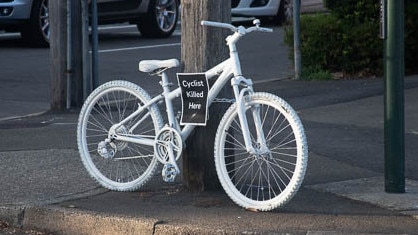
{"x":260,"y":154}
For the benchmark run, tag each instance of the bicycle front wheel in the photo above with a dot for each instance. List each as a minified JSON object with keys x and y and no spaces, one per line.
{"x":269,"y":176}
{"x":130,"y":165}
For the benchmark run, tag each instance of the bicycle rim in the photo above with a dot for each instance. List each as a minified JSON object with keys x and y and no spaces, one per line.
{"x":268,"y":179}
{"x":133,"y":164}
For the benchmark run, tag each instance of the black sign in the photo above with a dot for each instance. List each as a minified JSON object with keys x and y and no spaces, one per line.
{"x":194,"y":97}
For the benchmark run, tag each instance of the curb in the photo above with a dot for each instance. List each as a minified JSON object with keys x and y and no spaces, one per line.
{"x":13,"y":215}
{"x":67,"y":221}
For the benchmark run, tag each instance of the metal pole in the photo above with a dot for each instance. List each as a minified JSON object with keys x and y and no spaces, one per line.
{"x":394,"y":98}
{"x":95,"y":46}
{"x":85,"y":48}
{"x":69,"y":64}
{"x":296,"y":38}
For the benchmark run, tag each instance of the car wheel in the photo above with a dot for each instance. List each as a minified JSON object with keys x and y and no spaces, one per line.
{"x":161,"y":19}
{"x":37,"y":31}
{"x":285,"y":12}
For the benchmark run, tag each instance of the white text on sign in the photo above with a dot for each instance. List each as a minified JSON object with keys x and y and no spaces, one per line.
{"x":195,"y":94}
{"x":194,"y":83}
{"x":194,"y":106}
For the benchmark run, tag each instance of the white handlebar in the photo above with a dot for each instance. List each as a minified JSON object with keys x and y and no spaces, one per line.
{"x":219,"y":25}
{"x":235,"y":29}
{"x":266,"y":30}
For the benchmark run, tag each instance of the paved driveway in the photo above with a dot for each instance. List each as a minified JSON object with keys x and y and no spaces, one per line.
{"x":312,"y":5}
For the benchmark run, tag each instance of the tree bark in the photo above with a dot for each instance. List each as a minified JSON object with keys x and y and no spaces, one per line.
{"x":201,"y":48}
{"x":61,"y":74}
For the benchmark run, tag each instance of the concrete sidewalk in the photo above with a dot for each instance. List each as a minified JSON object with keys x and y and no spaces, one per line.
{"x":45,"y":186}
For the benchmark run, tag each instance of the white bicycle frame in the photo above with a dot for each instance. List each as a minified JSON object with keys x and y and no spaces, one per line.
{"x":224,"y":71}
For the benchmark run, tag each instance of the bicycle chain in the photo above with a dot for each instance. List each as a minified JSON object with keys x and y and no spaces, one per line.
{"x":224,"y":100}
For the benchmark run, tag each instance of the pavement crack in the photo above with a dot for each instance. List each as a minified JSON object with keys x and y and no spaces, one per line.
{"x":20,"y":217}
{"x":155,"y":225}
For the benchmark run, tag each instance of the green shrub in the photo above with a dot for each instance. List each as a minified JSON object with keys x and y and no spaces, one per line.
{"x":328,"y":44}
{"x":346,"y":40}
{"x":319,"y":34}
{"x":362,"y":50}
{"x":354,"y":11}
{"x":411,"y":36}
{"x":315,"y":73}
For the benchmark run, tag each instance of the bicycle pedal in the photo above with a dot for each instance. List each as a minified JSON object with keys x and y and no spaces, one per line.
{"x":169,"y":173}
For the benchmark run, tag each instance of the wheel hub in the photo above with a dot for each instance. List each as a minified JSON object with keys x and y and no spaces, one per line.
{"x":122,"y":130}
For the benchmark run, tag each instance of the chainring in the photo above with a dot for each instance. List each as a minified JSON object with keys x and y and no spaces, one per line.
{"x":164,"y":138}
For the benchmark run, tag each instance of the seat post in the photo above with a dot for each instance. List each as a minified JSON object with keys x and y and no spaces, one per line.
{"x":166,"y":84}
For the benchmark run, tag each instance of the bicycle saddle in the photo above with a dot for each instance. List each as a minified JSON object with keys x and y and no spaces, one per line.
{"x":149,"y":66}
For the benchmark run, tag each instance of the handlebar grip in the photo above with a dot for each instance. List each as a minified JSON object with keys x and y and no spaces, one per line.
{"x":218,"y":25}
{"x":266,"y":30}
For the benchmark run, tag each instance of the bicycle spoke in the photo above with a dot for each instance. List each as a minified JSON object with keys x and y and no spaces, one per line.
{"x":125,"y":165}
{"x":261,"y":179}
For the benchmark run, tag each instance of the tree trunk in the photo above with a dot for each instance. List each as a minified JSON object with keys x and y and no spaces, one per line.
{"x":201,"y":48}
{"x":65,"y":79}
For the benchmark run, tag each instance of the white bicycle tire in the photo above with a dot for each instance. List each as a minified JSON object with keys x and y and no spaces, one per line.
{"x":231,"y":177}
{"x":132,"y":176}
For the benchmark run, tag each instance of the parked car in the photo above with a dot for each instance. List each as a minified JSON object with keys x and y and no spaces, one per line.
{"x":154,"y":18}
{"x":279,"y":11}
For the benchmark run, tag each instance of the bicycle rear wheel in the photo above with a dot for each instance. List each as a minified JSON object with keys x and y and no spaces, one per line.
{"x":269,"y":178}
{"x":132,"y":164}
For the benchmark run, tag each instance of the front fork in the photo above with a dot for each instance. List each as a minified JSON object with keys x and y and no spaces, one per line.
{"x":240,"y":95}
